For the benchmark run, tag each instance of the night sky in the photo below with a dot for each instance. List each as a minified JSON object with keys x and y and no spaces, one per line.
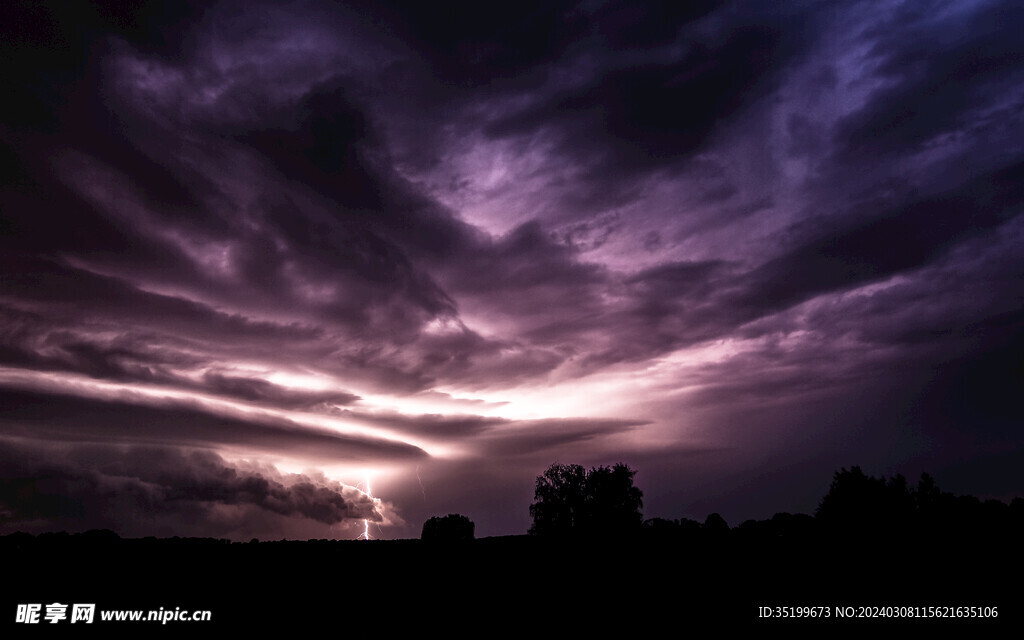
{"x":260,"y":260}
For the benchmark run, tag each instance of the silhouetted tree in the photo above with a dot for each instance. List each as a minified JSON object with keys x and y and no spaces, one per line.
{"x":928,"y":501}
{"x":450,"y":528}
{"x":793,"y":526}
{"x":716,"y":525}
{"x":686,"y":524}
{"x":862,"y":505}
{"x":558,"y":500}
{"x":855,"y":503}
{"x":681,"y":529}
{"x":612,"y":502}
{"x":569,"y":500}
{"x":661,"y":524}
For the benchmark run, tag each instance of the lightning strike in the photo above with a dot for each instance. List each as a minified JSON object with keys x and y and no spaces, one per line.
{"x":418,"y":479}
{"x":365,"y":535}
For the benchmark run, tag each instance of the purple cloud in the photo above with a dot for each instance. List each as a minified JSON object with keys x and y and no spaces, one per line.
{"x":441,"y":249}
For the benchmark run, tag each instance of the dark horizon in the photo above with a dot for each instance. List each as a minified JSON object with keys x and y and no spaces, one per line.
{"x":858,"y":509}
{"x":878,"y":551}
{"x":276,"y":270}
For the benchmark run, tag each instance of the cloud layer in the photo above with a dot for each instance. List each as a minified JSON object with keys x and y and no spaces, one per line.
{"x":403,"y":241}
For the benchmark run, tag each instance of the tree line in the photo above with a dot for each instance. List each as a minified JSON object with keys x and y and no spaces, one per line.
{"x":603,"y":502}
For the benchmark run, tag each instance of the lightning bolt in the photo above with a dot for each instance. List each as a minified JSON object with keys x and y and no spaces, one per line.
{"x":365,"y":535}
{"x":422,"y":490}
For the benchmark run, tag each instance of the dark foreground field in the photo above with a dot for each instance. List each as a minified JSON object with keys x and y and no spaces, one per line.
{"x":519,"y":584}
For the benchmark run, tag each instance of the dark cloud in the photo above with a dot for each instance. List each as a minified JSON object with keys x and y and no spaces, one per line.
{"x":493,"y":435}
{"x":133,"y":356}
{"x":48,"y":46}
{"x":469,"y":46}
{"x":223,"y":222}
{"x":533,"y":437}
{"x":876,"y":246}
{"x":946,"y":72}
{"x":541,"y":275}
{"x":67,"y":292}
{"x":634,"y":112}
{"x":54,"y":417}
{"x":259,"y":390}
{"x":85,"y":487}
{"x":627,"y":25}
{"x":428,"y":425}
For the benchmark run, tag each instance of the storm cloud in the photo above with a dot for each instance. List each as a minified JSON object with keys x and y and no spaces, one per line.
{"x":177,"y":490}
{"x":430,"y":247}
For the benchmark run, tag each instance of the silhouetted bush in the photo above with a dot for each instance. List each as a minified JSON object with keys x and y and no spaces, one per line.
{"x":450,"y":528}
{"x":716,"y":525}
